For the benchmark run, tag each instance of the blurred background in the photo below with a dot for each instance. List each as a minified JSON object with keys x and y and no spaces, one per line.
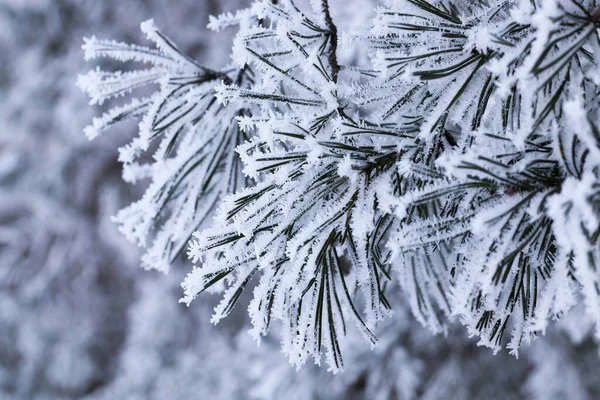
{"x":80,"y":319}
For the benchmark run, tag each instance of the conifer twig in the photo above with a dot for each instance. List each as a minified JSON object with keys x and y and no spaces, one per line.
{"x":333,"y":62}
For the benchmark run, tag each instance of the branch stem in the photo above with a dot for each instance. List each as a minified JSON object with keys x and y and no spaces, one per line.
{"x":333,"y":37}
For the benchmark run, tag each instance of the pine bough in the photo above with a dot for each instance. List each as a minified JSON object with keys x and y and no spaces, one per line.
{"x":462,"y":162}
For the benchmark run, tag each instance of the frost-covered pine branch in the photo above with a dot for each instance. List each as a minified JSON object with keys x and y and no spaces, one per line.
{"x":462,"y":163}
{"x":518,"y":199}
{"x":189,"y":174}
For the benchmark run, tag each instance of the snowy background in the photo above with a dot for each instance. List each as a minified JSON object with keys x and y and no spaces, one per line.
{"x":80,"y":319}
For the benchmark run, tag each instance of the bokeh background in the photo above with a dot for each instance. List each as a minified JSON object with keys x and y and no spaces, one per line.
{"x":80,"y":319}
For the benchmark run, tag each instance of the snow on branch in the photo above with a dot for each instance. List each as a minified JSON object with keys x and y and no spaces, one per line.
{"x":462,"y":161}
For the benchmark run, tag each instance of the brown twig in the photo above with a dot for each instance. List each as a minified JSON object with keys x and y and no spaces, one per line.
{"x":333,"y":38}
